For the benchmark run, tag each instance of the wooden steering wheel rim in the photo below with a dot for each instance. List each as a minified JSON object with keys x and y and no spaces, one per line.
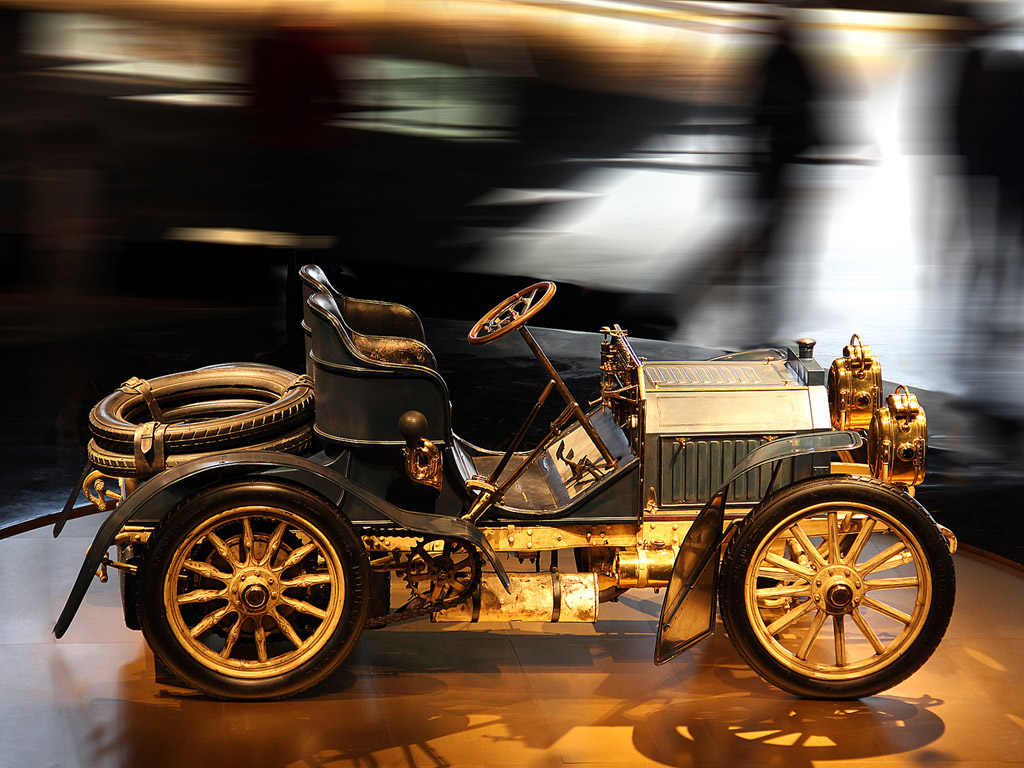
{"x":477,"y":334}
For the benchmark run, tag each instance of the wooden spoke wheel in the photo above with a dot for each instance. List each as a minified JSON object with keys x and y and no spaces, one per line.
{"x":253,"y":590}
{"x":837,"y":588}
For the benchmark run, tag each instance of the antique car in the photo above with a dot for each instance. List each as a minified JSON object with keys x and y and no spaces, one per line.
{"x":264,"y":519}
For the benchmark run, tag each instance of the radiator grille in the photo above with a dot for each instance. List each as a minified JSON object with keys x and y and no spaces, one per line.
{"x":693,"y":469}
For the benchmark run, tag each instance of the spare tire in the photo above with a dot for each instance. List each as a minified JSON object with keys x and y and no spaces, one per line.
{"x":227,"y":407}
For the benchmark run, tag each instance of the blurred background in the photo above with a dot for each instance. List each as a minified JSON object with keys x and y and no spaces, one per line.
{"x":719,"y":174}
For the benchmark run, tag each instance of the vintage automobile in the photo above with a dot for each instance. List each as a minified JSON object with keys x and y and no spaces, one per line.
{"x":258,"y":536}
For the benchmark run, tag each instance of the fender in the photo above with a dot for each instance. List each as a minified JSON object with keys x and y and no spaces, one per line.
{"x":688,"y":613}
{"x":163,"y":493}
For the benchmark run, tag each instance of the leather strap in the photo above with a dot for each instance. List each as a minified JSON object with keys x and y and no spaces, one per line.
{"x":556,"y":597}
{"x":141,"y":387}
{"x":148,"y":444}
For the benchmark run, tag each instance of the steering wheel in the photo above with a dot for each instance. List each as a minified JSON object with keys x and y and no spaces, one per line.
{"x":512,"y":313}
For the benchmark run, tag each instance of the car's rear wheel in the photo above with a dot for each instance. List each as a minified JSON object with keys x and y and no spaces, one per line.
{"x":837,"y":588}
{"x":253,"y":590}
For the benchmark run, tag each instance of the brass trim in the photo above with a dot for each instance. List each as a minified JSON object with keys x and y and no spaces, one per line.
{"x":133,"y":534}
{"x":102,"y":489}
{"x":423,"y":464}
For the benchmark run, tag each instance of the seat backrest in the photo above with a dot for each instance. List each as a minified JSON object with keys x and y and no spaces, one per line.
{"x":378,"y":318}
{"x":363,"y":316}
{"x":364,"y":382}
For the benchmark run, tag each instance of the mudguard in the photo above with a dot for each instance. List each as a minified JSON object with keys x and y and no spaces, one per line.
{"x":161,"y":494}
{"x":688,"y":613}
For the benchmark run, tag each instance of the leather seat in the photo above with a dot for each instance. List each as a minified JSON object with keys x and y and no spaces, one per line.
{"x":355,"y":347}
{"x":365,"y":382}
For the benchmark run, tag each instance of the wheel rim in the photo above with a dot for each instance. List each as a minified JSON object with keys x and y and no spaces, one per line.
{"x":838,"y":591}
{"x":254,"y":592}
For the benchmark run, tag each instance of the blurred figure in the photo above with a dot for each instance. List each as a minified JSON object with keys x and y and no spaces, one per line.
{"x":988,"y":123}
{"x":786,"y":126}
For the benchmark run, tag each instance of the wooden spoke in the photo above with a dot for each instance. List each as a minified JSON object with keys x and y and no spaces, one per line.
{"x":224,"y":551}
{"x":882,"y":559}
{"x":306,"y":580}
{"x":858,"y":544}
{"x":781,"y":623}
{"x":303,"y":607}
{"x":273,"y":545}
{"x":811,"y":636}
{"x":202,"y":596}
{"x":868,"y":632}
{"x":211,"y":620}
{"x":833,"y":538}
{"x":790,"y":590}
{"x":206,"y":570}
{"x":893,"y":583}
{"x":887,"y":610}
{"x":287,"y":629}
{"x":839,"y":630}
{"x":811,"y":551}
{"x":246,"y":544}
{"x":232,"y":638}
{"x":297,"y":556}
{"x":789,"y":566}
{"x":260,"y":639}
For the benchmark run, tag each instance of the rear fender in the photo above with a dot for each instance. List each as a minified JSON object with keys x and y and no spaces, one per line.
{"x":157,"y":497}
{"x":688,"y":613}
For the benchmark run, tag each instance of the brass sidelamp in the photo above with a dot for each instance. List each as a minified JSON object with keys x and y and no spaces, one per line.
{"x":898,"y":440}
{"x":854,"y":386}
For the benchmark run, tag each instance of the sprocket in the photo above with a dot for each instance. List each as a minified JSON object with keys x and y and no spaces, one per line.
{"x":439,"y":576}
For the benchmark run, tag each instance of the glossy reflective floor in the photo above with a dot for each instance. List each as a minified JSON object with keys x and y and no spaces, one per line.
{"x":425,"y":694}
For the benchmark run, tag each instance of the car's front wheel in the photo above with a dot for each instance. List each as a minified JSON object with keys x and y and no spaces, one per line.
{"x":837,"y":588}
{"x":253,"y":590}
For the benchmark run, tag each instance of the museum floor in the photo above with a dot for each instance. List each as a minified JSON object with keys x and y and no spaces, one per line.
{"x":424,"y":694}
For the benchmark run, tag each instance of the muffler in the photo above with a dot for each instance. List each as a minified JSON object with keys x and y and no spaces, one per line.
{"x":547,"y":597}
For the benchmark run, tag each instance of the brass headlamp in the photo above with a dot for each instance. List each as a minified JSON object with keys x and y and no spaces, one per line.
{"x":898,"y":440}
{"x":854,"y":386}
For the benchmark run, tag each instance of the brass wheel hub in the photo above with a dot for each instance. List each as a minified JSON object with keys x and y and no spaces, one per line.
{"x":253,"y":592}
{"x":837,"y":591}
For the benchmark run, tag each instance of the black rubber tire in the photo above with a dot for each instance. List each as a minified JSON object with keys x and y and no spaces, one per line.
{"x":219,"y":508}
{"x":906,"y":654}
{"x":123,"y":465}
{"x":208,"y":409}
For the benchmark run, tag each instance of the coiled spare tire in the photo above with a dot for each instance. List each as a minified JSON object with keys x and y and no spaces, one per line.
{"x":145,"y":426}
